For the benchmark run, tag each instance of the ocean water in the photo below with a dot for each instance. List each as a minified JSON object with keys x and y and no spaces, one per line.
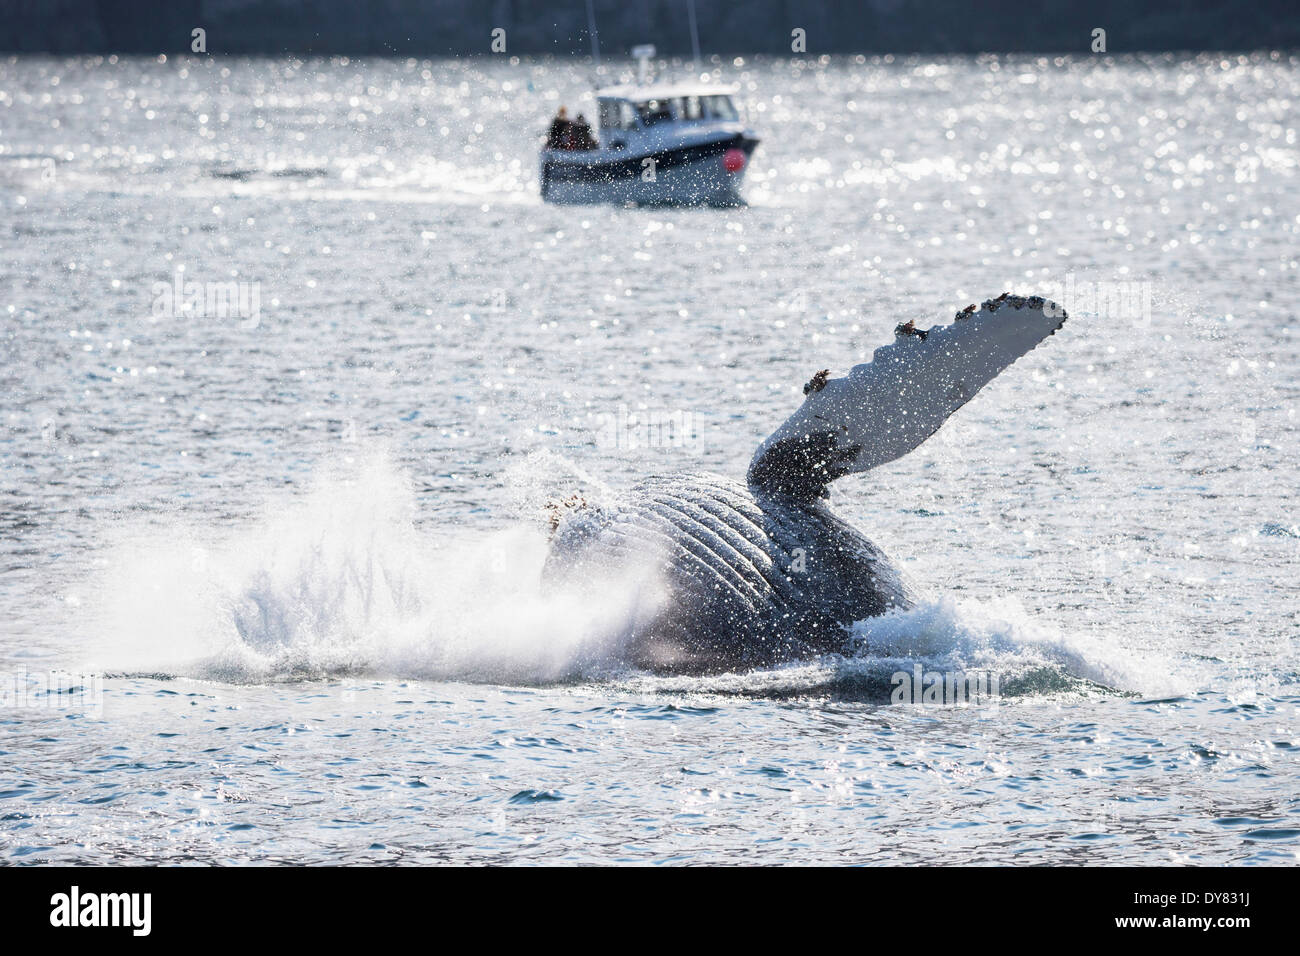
{"x":269,"y":571}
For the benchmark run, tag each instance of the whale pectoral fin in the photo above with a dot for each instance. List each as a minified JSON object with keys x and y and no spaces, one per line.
{"x":885,"y":408}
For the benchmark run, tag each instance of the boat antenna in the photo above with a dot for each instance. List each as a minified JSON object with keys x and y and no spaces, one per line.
{"x":643,"y":54}
{"x":695,"y":35}
{"x":595,"y":36}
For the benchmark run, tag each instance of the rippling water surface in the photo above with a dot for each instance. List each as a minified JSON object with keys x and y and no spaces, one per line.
{"x":298,"y":546}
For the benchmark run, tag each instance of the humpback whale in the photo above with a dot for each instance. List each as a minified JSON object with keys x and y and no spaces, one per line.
{"x":764,"y":571}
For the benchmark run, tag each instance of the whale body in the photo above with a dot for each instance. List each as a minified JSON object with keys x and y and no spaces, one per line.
{"x":762,"y":572}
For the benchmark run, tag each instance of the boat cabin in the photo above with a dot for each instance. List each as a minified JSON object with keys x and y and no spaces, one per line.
{"x":629,"y":113}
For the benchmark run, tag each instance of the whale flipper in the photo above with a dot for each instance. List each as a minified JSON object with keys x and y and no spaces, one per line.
{"x":887,"y":407}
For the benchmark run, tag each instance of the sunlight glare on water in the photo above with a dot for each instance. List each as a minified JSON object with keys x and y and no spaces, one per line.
{"x":303,"y":548}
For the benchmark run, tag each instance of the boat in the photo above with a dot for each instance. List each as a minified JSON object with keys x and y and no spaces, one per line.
{"x":679,"y":144}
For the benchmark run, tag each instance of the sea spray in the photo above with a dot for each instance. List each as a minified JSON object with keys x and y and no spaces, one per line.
{"x":1000,"y":637}
{"x":339,"y":581}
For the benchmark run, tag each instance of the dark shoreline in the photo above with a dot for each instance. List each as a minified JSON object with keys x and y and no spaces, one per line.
{"x":436,"y":28}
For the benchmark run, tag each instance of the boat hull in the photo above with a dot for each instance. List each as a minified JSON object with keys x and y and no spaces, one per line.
{"x":687,"y":175}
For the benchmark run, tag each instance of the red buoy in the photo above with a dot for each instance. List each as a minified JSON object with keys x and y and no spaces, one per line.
{"x":733,"y":160}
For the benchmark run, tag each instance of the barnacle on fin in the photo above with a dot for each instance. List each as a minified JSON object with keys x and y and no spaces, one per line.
{"x":909,"y":328}
{"x":817,"y":382}
{"x":559,"y":507}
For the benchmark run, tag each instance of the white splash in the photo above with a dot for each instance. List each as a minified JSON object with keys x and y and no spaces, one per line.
{"x":1001,"y":637}
{"x":342,"y":581}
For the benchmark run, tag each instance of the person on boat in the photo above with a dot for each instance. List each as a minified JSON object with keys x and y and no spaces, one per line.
{"x":654,"y":111}
{"x":581,"y":134}
{"x":561,"y":132}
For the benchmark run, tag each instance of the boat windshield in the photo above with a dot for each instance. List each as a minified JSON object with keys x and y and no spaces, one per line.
{"x":655,"y":111}
{"x":616,"y":115}
{"x":717,"y":106}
